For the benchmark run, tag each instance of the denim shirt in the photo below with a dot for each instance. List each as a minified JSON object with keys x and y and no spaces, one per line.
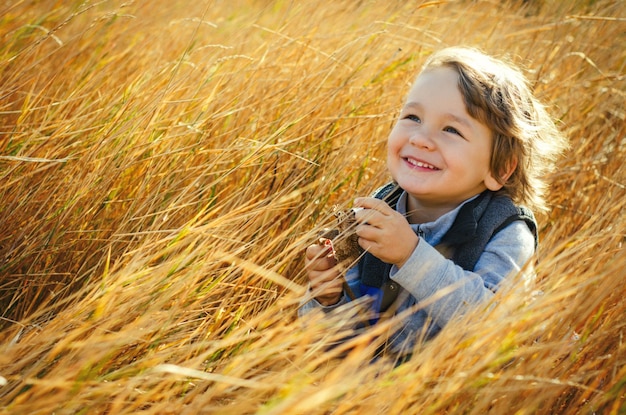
{"x":427,"y":271}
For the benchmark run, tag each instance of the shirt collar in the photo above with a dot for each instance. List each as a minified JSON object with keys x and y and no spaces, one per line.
{"x":432,"y":232}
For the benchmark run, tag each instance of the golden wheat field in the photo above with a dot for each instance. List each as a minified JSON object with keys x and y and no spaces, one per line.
{"x":164,"y":165}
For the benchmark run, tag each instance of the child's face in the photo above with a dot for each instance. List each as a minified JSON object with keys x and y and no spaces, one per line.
{"x":436,"y":151}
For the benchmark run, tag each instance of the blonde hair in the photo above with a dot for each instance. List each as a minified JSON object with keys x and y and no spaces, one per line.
{"x":498,"y":95}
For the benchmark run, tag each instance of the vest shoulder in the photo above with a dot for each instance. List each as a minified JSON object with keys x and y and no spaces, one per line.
{"x":508,"y":212}
{"x":389,"y":192}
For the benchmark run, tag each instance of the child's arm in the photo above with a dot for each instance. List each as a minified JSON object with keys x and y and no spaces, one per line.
{"x":427,"y":272}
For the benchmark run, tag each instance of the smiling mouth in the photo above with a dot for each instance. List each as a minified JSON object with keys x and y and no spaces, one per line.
{"x":420,"y":164}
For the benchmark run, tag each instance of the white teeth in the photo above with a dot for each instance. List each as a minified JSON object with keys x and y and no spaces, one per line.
{"x":421,"y":164}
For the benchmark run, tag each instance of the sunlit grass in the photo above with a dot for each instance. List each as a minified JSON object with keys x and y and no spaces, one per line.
{"x":163,"y":169}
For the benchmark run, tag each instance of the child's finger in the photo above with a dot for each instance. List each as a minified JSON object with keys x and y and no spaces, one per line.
{"x":373,"y":203}
{"x":325,"y":282}
{"x":317,"y":258}
{"x":316,"y":251}
{"x":367,"y":217}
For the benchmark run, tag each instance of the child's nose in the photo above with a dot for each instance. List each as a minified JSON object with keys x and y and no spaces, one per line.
{"x":422,"y":138}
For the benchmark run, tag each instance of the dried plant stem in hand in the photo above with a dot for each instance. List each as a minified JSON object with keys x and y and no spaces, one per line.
{"x":342,"y":242}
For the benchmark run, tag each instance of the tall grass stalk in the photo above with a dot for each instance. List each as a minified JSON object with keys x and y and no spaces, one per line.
{"x":164,"y":165}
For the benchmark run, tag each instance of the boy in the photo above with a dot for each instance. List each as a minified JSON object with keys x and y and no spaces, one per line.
{"x":471,"y":145}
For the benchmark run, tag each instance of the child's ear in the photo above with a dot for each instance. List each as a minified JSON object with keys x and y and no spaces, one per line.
{"x":492,"y":182}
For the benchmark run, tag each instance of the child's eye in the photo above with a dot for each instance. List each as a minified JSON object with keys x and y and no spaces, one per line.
{"x":453,"y":131}
{"x":413,"y":117}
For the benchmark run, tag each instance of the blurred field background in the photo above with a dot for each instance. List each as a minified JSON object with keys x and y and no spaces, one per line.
{"x":164,"y":164}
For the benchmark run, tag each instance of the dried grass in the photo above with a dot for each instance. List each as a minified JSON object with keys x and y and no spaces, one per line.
{"x":164,"y":167}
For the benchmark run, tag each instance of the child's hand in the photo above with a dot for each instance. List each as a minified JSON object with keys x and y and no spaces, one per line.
{"x":323,"y":274}
{"x":383,"y":232}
